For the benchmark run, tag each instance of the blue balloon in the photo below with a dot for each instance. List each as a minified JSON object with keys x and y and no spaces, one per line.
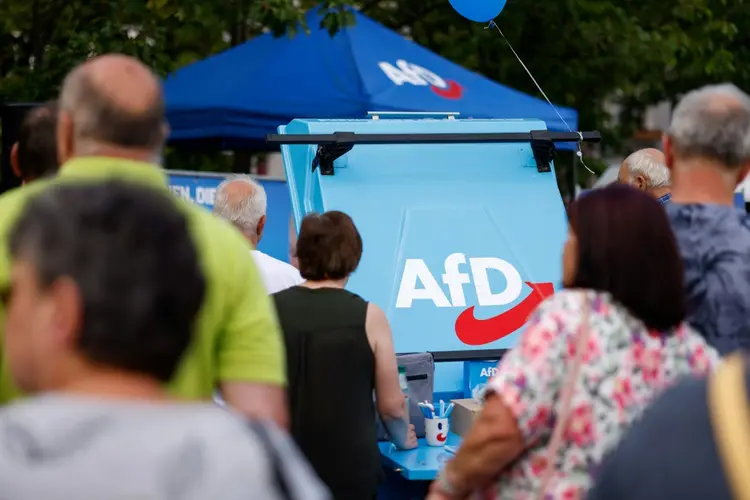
{"x":481,"y":11}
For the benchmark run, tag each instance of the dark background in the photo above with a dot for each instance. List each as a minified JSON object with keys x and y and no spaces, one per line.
{"x":11,"y":116}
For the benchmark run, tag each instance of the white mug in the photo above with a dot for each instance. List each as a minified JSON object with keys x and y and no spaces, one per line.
{"x":436,"y":431}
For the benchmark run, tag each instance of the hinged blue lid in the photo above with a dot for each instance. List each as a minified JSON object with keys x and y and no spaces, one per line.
{"x":461,"y":241}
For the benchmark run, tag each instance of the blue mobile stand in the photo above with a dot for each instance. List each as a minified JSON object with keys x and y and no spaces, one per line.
{"x":462,"y":223}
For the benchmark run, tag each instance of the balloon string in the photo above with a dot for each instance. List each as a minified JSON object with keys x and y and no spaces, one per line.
{"x":579,"y":153}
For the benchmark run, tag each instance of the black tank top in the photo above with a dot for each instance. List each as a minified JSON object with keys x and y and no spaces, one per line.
{"x":331,"y":376}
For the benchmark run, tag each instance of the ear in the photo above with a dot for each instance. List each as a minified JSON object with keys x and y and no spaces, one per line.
{"x":14,"y":161}
{"x":640,"y":182}
{"x":65,"y":138}
{"x":261,"y":227}
{"x":668,"y":151}
{"x":68,"y":312}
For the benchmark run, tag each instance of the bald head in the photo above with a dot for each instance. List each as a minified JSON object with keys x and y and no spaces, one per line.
{"x":711,"y":123}
{"x":645,"y":169}
{"x":242,"y":201}
{"x":112,"y":100}
{"x":652,"y":154}
{"x":125,"y":82}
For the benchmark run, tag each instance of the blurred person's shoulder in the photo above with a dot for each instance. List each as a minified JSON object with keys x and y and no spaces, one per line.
{"x":212,"y":231}
{"x":14,"y":200}
{"x":220,"y":245}
{"x":199,"y":449}
{"x":573,"y":302}
{"x":238,"y":336}
{"x":669,"y":453}
{"x":707,"y":226}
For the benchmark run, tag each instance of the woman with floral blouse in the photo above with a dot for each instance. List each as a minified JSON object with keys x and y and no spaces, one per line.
{"x":620,"y":265}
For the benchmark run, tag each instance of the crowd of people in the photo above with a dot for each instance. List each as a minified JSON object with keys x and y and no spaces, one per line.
{"x":129,"y":313}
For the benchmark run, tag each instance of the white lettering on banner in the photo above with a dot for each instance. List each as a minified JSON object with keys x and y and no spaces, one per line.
{"x":407,"y":72}
{"x":485,"y":297}
{"x":205,"y":195}
{"x":182,"y":191}
{"x":455,"y":279}
{"x":488,"y":372}
{"x":416,"y":269}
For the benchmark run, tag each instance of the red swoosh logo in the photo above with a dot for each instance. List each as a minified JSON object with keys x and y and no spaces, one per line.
{"x":472,"y":331}
{"x":454,"y":90}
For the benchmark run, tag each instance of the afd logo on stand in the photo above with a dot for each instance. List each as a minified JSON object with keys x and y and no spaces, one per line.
{"x":409,"y":73}
{"x":419,"y":284}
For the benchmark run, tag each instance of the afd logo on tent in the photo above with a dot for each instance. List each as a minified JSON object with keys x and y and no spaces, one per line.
{"x":413,"y":74}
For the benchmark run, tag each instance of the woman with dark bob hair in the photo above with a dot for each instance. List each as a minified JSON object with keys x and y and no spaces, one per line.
{"x":339,"y":350}
{"x":591,"y":358}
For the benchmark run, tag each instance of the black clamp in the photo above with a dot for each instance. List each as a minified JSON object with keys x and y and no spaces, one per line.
{"x":543,"y":148}
{"x":329,"y":152}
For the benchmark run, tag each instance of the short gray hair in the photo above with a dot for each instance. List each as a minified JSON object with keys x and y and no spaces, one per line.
{"x":245,"y":209}
{"x":713,"y":122}
{"x":644,"y":163}
{"x":97,"y":118}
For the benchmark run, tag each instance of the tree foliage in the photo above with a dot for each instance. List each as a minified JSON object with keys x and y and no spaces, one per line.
{"x":41,"y":40}
{"x":584,"y":53}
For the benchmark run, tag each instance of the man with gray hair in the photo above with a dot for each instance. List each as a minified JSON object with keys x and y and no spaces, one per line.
{"x":646,"y":170}
{"x":243,"y":202}
{"x":684,"y":431}
{"x":111,"y":126}
{"x":707,"y":149}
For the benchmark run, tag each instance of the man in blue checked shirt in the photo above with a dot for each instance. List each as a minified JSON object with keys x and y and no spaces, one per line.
{"x":707,"y":149}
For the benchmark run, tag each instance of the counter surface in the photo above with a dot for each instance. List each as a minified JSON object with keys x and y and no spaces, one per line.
{"x":420,"y":464}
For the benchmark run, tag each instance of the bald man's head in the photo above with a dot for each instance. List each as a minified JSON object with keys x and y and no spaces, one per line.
{"x":645,"y":169}
{"x":243,"y":202}
{"x":111,"y":100}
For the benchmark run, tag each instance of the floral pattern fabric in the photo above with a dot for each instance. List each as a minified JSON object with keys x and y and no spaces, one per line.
{"x":624,"y":366}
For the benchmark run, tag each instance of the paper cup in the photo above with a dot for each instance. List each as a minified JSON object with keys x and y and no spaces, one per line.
{"x":436,"y":431}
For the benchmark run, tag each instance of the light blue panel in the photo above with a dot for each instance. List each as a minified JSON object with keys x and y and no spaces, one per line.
{"x":486,"y":205}
{"x":449,"y":377}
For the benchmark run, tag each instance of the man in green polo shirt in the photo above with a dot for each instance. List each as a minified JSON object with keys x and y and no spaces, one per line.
{"x":111,"y":125}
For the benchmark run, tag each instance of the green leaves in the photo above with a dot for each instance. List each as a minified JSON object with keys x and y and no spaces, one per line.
{"x":584,"y":53}
{"x":41,"y":40}
{"x":592,"y":54}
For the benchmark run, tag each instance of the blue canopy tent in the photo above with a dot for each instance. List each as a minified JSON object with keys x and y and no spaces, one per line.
{"x":242,"y":94}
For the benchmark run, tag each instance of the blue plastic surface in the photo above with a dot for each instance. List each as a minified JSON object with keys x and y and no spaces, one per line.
{"x":424,"y":208}
{"x":420,"y":464}
{"x":201,"y":189}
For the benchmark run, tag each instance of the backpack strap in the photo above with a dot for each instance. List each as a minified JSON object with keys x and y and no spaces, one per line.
{"x":730,"y":419}
{"x":279,"y":478}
